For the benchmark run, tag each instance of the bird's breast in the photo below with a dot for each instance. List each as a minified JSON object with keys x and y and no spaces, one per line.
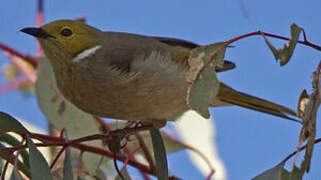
{"x":155,"y":88}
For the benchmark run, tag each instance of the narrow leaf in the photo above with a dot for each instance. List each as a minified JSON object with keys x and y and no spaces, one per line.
{"x":7,"y":155}
{"x":279,"y":173}
{"x":80,"y":178}
{"x":39,"y":167}
{"x":274,"y":173}
{"x":284,"y":54}
{"x":296,"y":174}
{"x":159,"y":154}
{"x":15,"y":175}
{"x":68,"y":175}
{"x":7,"y":138}
{"x":10,"y":124}
{"x":124,"y":174}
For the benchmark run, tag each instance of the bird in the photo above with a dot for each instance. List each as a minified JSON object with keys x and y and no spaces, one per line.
{"x":129,"y":76}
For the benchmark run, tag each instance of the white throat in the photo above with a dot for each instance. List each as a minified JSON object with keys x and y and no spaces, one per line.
{"x":86,"y":53}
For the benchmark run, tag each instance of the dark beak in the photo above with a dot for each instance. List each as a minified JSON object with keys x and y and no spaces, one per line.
{"x":36,"y":32}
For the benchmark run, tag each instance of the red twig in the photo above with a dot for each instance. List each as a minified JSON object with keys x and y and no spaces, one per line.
{"x":146,"y":152}
{"x":40,"y":20}
{"x":55,"y":141}
{"x":30,"y":59}
{"x":117,"y":168}
{"x":210,"y":174}
{"x":109,"y":154}
{"x":108,"y":128}
{"x":17,"y":61}
{"x":57,"y":156}
{"x":102,"y":123}
{"x":130,"y":156}
{"x":80,"y":161}
{"x":4,"y":170}
{"x":226,"y":43}
{"x":18,"y":82}
{"x":316,"y":141}
{"x":16,"y":160}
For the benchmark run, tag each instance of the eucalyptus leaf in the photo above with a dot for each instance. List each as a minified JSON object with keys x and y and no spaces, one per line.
{"x":10,"y":124}
{"x":8,"y":139}
{"x":204,"y":83}
{"x":274,"y":173}
{"x":284,"y":54}
{"x":7,"y":155}
{"x":280,"y":173}
{"x":39,"y":167}
{"x":15,"y":175}
{"x":124,"y":174}
{"x":63,"y":114}
{"x":68,"y":174}
{"x":159,"y":154}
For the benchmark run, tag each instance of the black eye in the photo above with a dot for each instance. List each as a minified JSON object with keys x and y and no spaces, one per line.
{"x":66,"y":32}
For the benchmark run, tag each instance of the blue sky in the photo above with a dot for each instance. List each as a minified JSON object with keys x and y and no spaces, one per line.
{"x":248,"y":142}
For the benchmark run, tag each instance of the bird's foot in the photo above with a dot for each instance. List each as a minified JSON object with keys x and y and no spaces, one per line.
{"x":159,"y":123}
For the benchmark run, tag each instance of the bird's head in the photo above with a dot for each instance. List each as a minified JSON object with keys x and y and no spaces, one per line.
{"x":63,"y":40}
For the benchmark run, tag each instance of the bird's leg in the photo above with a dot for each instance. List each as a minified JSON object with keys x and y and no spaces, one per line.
{"x":159,"y":123}
{"x":130,"y":124}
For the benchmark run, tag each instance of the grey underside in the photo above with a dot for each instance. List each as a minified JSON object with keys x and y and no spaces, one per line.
{"x":130,"y":81}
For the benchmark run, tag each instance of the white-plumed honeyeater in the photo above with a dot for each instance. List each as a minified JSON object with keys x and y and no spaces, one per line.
{"x":129,"y":76}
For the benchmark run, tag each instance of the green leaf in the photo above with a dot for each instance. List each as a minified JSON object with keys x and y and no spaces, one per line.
{"x":274,"y":173}
{"x":7,"y":138}
{"x":63,"y":114}
{"x":7,"y":155}
{"x":203,"y":90}
{"x":100,"y":174}
{"x":159,"y":154}
{"x":284,"y":54}
{"x":80,"y":178}
{"x":39,"y":167}
{"x":15,"y":175}
{"x":296,"y":174}
{"x":10,"y":124}
{"x":68,"y":175}
{"x":279,"y":173}
{"x":1,"y":162}
{"x":124,"y":174}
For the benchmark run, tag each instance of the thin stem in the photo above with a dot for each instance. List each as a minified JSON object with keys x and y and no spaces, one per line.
{"x":226,"y":43}
{"x":30,"y":59}
{"x":145,"y":150}
{"x":79,"y":165}
{"x":18,"y":82}
{"x":130,"y":156}
{"x":4,"y":170}
{"x":57,"y":157}
{"x":316,"y":141}
{"x":40,"y":20}
{"x":24,"y":67}
{"x":210,"y":175}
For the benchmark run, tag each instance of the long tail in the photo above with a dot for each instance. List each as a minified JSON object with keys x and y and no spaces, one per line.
{"x":229,"y":96}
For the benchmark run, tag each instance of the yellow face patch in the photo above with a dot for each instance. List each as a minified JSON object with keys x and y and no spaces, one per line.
{"x":72,"y":36}
{"x":67,"y":32}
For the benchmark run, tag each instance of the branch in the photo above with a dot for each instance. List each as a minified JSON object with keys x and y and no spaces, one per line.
{"x":226,"y":43}
{"x":30,"y":59}
{"x":18,"y":82}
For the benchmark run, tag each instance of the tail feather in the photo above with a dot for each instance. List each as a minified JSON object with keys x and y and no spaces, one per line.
{"x":228,"y":95}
